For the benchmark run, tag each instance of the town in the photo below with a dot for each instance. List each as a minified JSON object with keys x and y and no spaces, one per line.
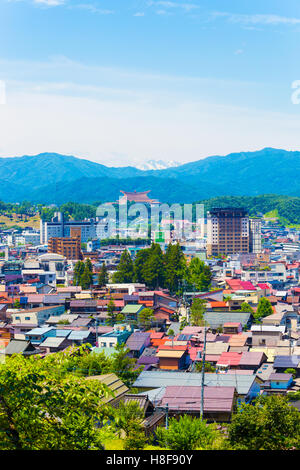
{"x":172,"y":331}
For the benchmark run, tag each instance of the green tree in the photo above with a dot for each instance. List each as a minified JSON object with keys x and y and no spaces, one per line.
{"x":41,"y":409}
{"x":129,"y":418}
{"x":124,"y":271}
{"x":175,"y":267}
{"x":264,"y":309}
{"x":245,"y":307}
{"x":199,"y":274}
{"x":197,"y":312}
{"x":17,"y":303}
{"x":111,"y":313}
{"x":103,"y":276}
{"x":208,"y":367}
{"x":78,"y":272}
{"x":271,"y":424}
{"x":125,"y":366}
{"x":187,"y":433}
{"x":145,"y":318}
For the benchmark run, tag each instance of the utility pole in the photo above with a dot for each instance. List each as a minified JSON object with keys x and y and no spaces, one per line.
{"x":97,"y":332}
{"x":167,"y":416}
{"x":203,"y":375}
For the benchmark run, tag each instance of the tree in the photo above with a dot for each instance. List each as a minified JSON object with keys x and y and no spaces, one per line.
{"x":78,"y":272}
{"x":103,"y":276}
{"x":271,"y":424}
{"x":17,"y":303}
{"x":197,"y":312}
{"x":43,"y":409}
{"x":124,"y":271}
{"x":145,"y":318}
{"x":111,"y":313}
{"x":245,"y":307}
{"x":129,"y":419}
{"x":187,"y":433}
{"x":264,"y":309}
{"x":208,"y":367}
{"x":199,"y":274}
{"x":125,"y":366}
{"x":175,"y":267}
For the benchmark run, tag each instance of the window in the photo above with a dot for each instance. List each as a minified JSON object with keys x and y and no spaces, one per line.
{"x":27,"y":318}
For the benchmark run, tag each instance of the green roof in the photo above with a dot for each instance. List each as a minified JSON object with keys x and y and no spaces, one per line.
{"x":132,"y":308}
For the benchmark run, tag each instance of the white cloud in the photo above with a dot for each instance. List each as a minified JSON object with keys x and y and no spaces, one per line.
{"x":49,"y":3}
{"x":267,"y":19}
{"x":139,"y":13}
{"x":169,"y":4}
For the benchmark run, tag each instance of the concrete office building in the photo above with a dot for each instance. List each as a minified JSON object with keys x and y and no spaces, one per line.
{"x":58,"y":227}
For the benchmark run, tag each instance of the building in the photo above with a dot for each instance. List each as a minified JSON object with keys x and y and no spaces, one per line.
{"x":70,"y":247}
{"x":227,"y":231}
{"x":58,"y":227}
{"x":137,"y":197}
{"x":255,"y":235}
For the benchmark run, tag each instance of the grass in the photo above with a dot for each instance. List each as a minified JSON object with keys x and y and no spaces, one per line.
{"x":117,"y":444}
{"x":15,"y":221}
{"x":272,"y":214}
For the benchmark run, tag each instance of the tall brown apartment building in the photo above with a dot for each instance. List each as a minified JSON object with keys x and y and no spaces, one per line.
{"x":227,"y":231}
{"x":70,"y":247}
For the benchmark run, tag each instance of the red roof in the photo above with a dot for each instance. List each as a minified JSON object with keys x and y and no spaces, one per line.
{"x":230,"y":358}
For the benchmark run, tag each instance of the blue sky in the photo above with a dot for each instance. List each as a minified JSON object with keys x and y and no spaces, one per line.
{"x":124,"y":81}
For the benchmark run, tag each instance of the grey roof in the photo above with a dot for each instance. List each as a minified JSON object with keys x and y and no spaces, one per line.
{"x":52,"y":342}
{"x":157,"y":379}
{"x":216,"y":319}
{"x":280,"y":377}
{"x":17,"y":346}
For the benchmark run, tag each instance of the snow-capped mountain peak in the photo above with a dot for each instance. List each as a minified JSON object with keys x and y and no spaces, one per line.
{"x":157,"y":165}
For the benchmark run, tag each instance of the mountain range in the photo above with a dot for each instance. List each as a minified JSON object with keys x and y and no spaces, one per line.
{"x":55,"y":178}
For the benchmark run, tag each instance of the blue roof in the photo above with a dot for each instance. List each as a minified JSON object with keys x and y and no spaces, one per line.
{"x":62,"y":333}
{"x":79,"y":335}
{"x":286,"y":361}
{"x":39,"y":331}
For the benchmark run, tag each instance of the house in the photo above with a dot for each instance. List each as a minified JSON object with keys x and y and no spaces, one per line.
{"x":266,"y":335}
{"x":54,"y":344}
{"x":118,"y":335}
{"x":131,"y":312}
{"x":38,"y":335}
{"x":281,"y":363}
{"x":78,"y":337}
{"x":217,"y":319}
{"x":137,"y":342}
{"x":19,"y":346}
{"x":247,"y":386}
{"x":152,"y":418}
{"x":277,"y":383}
{"x":232,"y":328}
{"x":173,"y":358}
{"x":117,"y":388}
{"x":252,"y":360}
{"x":219,"y":402}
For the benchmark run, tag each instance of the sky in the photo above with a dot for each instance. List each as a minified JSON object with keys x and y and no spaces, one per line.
{"x":121,"y":82}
